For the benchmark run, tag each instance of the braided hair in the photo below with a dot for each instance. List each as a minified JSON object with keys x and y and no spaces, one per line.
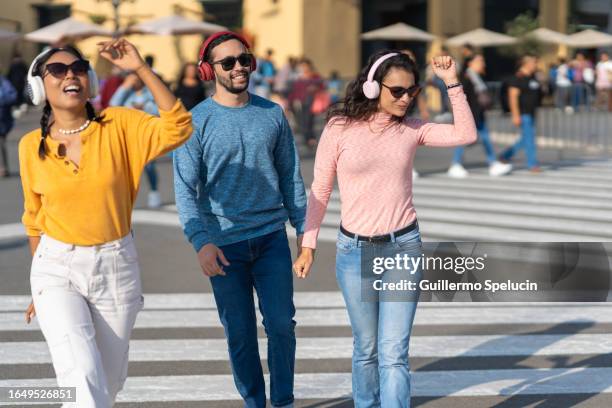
{"x":47,"y":110}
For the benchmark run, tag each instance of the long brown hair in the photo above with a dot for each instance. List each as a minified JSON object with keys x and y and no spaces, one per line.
{"x":355,"y":107}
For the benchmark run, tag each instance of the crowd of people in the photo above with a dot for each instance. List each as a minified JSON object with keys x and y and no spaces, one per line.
{"x":581,"y":83}
{"x":237,"y":181}
{"x":306,"y":95}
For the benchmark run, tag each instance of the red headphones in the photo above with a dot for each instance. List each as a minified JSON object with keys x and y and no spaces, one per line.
{"x":207,"y":73}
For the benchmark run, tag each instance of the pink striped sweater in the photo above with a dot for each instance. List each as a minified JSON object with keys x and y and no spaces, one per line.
{"x":373,"y":163}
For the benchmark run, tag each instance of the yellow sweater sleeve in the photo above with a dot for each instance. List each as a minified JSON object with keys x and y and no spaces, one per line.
{"x":31,"y":200}
{"x":148,"y":136}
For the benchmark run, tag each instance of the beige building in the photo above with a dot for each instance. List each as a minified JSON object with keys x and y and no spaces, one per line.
{"x":327,"y":31}
{"x":170,"y":52}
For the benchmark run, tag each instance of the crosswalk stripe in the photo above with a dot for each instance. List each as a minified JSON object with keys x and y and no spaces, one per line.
{"x":586,"y":183}
{"x":336,"y":385}
{"x":309,"y":300}
{"x":341,"y":347}
{"x":504,"y":207}
{"x":329,"y":317}
{"x":524,"y":207}
{"x":497,"y":187}
{"x":450,"y":193}
{"x":182,"y":301}
{"x":474,"y":226}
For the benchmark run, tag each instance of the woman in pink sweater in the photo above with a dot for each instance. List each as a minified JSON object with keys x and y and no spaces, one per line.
{"x":369,"y":143}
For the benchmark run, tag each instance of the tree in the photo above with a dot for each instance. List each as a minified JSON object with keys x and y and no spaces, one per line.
{"x":518,"y":27}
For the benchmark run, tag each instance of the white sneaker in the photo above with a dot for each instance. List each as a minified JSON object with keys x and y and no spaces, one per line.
{"x":457,"y":171}
{"x":415,"y":174}
{"x":498,"y":168}
{"x":154,"y":199}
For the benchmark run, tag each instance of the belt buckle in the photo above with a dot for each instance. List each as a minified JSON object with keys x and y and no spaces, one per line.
{"x":376,"y":238}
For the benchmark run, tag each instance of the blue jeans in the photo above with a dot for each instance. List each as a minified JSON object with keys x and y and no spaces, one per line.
{"x":381,"y":330}
{"x":151,"y":172}
{"x":483,"y":133}
{"x":527,"y":142}
{"x":262,"y":263}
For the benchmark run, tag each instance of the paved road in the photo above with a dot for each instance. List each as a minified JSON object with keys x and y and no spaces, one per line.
{"x":462,"y":354}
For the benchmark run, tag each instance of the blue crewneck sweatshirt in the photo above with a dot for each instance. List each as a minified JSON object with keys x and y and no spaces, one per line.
{"x":238,"y":177}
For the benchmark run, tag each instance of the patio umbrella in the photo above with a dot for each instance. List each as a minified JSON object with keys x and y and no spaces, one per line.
{"x":590,"y":39}
{"x":6,"y":35}
{"x":174,"y":25}
{"x":481,"y":37}
{"x":546,"y":35}
{"x":398,"y":32}
{"x":68,"y":29}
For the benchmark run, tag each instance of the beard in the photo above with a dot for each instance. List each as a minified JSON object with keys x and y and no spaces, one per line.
{"x":228,"y":84}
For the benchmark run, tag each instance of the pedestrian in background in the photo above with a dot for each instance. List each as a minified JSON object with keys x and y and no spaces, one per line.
{"x":563,"y":86}
{"x":302,"y":97}
{"x":603,"y":82}
{"x":17,"y":75}
{"x":8,"y":98}
{"x":189,"y":88}
{"x":524,"y":93}
{"x":480,"y":100}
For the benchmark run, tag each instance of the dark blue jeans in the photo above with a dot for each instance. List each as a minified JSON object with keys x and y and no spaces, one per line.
{"x":263,"y":263}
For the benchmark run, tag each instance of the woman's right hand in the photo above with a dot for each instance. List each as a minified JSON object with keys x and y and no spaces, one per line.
{"x":30,"y":313}
{"x":303,"y":263}
{"x":122,"y":54}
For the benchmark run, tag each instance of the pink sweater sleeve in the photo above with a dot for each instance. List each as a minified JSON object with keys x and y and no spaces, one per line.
{"x":322,"y":184}
{"x":461,"y":132}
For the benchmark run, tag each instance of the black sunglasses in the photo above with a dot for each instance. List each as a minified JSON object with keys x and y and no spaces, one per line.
{"x":59,"y":70}
{"x":229,"y":63}
{"x":397,"y":91}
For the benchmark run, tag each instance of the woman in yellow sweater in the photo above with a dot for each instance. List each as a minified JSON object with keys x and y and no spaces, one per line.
{"x":80,"y":174}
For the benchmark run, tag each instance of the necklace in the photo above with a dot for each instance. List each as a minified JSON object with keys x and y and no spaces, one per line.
{"x":77,"y":130}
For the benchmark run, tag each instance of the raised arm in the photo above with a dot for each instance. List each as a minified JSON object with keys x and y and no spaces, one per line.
{"x":463,"y":129}
{"x":461,"y":132}
{"x":148,"y":136}
{"x":124,"y":55}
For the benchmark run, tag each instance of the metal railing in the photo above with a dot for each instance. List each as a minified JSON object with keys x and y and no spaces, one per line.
{"x":583,"y":128}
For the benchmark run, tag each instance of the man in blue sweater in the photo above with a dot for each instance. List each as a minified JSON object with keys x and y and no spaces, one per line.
{"x":237,"y":182}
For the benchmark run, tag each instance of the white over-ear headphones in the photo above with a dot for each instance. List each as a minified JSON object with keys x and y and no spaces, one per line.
{"x":36,"y":87}
{"x":371,"y":88}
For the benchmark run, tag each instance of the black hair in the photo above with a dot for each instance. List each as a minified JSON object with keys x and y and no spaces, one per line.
{"x":466,"y":62}
{"x":469,"y":47}
{"x":355,"y":106}
{"x":181,"y":76}
{"x":47,"y":110}
{"x":521,"y":60}
{"x":217,"y":41}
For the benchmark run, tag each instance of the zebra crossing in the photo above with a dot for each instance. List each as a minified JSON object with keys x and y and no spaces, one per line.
{"x":462,"y":354}
{"x":569,"y":202}
{"x":473,"y":352}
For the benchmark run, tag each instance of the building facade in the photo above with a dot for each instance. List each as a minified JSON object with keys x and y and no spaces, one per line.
{"x":170,"y":52}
